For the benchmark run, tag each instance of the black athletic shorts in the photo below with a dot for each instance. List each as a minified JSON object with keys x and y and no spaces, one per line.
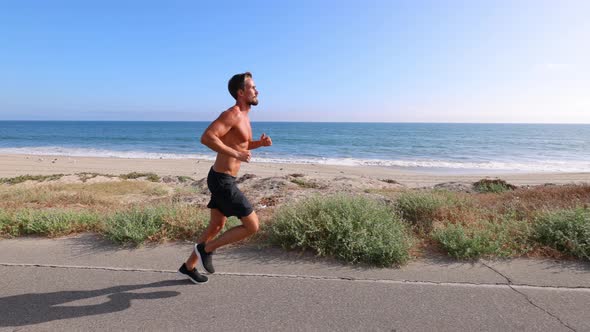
{"x":225,"y":195}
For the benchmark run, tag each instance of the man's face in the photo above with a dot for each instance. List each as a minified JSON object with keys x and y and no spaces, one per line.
{"x":250,"y":93}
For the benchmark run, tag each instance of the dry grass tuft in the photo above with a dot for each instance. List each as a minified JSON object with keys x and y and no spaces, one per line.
{"x":527,"y":202}
{"x":88,"y":195}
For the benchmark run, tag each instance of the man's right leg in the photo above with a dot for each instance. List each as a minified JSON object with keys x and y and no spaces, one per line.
{"x":204,"y":250}
{"x":216,"y":224}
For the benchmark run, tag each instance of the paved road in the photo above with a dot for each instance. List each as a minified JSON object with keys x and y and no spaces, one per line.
{"x":83,"y":283}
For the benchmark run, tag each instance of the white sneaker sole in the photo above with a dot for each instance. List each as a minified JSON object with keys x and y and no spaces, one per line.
{"x":191,"y":279}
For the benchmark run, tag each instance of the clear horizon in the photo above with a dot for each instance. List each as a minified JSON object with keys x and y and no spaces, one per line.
{"x":522,"y":62}
{"x":337,"y":122}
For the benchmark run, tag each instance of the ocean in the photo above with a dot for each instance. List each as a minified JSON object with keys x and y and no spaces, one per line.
{"x":417,"y":146}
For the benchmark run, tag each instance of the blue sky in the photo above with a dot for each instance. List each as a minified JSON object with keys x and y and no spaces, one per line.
{"x":386,"y":61}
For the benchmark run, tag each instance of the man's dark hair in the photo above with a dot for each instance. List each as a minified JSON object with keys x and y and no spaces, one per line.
{"x":236,"y":83}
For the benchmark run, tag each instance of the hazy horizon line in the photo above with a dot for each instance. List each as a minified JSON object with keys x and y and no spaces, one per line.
{"x":376,"y":122}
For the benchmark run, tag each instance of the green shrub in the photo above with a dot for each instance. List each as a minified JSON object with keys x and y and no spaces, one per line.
{"x":492,"y":186}
{"x":136,"y":175}
{"x":498,"y":239}
{"x":183,"y":222}
{"x":183,"y":178}
{"x":153,"y":177}
{"x":306,"y":184}
{"x":565,"y":230}
{"x":85,"y":176}
{"x":420,"y":208}
{"x":155,"y":223}
{"x":353,"y":229}
{"x":53,"y":222}
{"x":135,"y":225}
{"x":7,"y":224}
{"x":23,"y":178}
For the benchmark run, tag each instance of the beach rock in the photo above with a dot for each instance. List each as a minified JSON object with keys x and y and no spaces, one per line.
{"x":245,"y":177}
{"x":271,"y":184}
{"x":69,"y":179}
{"x":103,"y":178}
{"x":170,"y":179}
{"x":268,"y":191}
{"x":361,"y":184}
{"x":201,"y":186}
{"x":193,"y":200}
{"x":389,"y":181}
{"x":270,"y":201}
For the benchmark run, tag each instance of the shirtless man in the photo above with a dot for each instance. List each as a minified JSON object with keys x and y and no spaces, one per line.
{"x":230,"y":135}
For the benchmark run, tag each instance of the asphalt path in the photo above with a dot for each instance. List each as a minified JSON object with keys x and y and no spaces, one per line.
{"x":46,"y":285}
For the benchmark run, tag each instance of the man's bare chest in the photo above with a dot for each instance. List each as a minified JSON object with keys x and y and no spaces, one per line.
{"x":241,"y":133}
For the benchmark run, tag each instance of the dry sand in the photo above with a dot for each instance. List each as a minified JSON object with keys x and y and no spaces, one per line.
{"x":351,"y":176}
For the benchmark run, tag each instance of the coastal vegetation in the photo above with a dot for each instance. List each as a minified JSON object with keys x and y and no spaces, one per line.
{"x":135,"y":175}
{"x":492,"y":186}
{"x":350,"y":228}
{"x":375,"y":226}
{"x":23,"y":178}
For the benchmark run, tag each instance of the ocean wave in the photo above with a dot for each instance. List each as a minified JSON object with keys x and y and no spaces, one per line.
{"x":529,"y":166}
{"x":86,"y":152}
{"x":536,"y":166}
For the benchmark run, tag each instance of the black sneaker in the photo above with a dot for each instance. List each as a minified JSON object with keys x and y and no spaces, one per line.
{"x":193,"y":275}
{"x":204,"y":258}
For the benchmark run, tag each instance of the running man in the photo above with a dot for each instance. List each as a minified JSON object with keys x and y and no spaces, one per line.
{"x":230,"y":135}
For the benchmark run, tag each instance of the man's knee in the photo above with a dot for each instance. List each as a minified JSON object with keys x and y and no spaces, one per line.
{"x":250,"y":222}
{"x":254,"y":227}
{"x":218,"y":223}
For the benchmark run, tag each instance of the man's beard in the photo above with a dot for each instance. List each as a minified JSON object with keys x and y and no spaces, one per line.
{"x":254,"y":102}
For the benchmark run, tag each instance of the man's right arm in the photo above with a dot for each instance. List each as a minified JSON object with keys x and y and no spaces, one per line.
{"x":219,"y":128}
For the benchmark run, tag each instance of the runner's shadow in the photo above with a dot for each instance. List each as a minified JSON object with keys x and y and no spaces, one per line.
{"x":35,"y":308}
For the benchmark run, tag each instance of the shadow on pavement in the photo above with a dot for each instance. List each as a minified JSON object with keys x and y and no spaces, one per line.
{"x":90,"y":243}
{"x":27,"y":309}
{"x":252,"y":253}
{"x":577,"y":266}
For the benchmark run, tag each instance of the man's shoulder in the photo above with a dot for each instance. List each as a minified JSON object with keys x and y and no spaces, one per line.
{"x":234,"y":110}
{"x":231,"y":113}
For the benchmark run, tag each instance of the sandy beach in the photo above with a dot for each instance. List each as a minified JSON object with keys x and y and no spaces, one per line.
{"x":16,"y":165}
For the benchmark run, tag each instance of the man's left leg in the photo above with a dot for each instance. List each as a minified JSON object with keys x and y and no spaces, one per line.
{"x":249,"y":226}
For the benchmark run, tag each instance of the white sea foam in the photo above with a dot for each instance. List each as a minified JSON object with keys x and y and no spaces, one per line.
{"x":537,"y":166}
{"x":532,"y":166}
{"x":84,"y":152}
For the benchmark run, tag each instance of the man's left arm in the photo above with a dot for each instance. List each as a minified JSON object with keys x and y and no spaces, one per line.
{"x":264,"y":141}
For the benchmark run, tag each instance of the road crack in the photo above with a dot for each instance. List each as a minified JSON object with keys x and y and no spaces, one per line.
{"x":527,"y":298}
